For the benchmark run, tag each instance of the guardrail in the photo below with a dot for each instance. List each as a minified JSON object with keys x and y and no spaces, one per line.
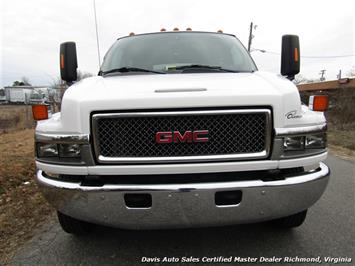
{"x":328,"y":85}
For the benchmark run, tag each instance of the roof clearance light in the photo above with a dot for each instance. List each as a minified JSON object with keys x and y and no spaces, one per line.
{"x":176,"y":29}
{"x":318,"y":103}
{"x":131,"y":34}
{"x":220,"y":31}
{"x":40,"y":112}
{"x":162,"y":29}
{"x":189,"y":29}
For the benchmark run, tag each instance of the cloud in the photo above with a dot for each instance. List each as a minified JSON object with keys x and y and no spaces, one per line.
{"x":31,"y":31}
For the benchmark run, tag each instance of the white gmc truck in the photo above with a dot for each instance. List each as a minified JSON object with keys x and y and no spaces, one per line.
{"x":180,"y":129}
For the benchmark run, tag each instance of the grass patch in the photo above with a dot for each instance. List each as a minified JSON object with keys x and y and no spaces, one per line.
{"x":342,"y":138}
{"x":22,"y":207}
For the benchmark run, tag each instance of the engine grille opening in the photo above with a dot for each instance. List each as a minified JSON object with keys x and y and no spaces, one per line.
{"x":133,"y":136}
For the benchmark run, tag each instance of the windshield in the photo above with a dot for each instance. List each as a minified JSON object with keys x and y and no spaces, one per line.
{"x":178,"y":52}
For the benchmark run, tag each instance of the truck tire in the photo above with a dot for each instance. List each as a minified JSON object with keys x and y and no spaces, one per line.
{"x":72,"y":225}
{"x":291,"y":221}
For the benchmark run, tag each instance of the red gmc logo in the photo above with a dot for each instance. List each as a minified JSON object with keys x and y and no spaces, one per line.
{"x":177,"y":137}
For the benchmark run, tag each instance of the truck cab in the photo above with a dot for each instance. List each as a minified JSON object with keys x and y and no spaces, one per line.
{"x":180,"y":129}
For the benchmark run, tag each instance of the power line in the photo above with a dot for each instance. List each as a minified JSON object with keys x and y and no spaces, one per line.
{"x":307,"y":56}
{"x":330,"y":56}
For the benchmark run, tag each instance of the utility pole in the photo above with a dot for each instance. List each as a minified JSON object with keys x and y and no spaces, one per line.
{"x":322,"y":78}
{"x":250,"y":36}
{"x":339,"y":75}
{"x":97,"y":35}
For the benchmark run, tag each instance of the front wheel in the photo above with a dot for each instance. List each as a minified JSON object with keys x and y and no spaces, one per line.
{"x":72,"y":225}
{"x":291,"y":221}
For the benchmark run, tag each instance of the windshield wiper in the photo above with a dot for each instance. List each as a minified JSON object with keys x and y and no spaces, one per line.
{"x":197,"y":66}
{"x":130,"y":69}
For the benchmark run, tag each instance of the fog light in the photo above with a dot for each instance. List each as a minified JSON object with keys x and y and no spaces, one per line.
{"x":47,"y":150}
{"x":293,"y":143}
{"x":69,"y":150}
{"x":51,"y":175}
{"x":317,"y":141}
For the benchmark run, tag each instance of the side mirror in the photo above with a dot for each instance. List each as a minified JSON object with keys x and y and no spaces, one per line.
{"x":290,"y":56}
{"x":68,"y":61}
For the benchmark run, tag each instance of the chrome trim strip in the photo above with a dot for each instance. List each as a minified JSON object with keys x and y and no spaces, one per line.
{"x":180,"y":90}
{"x":62,"y":138}
{"x":300,"y":130}
{"x":177,"y":113}
{"x":186,"y":158}
{"x":224,"y":157}
{"x":321,"y":172}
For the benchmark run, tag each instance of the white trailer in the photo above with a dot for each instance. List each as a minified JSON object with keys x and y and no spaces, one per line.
{"x":17,"y":95}
{"x":23,"y":94}
{"x":2,"y":96}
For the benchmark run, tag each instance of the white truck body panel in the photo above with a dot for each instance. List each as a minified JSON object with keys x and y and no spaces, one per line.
{"x":181,"y":168}
{"x":139,"y":92}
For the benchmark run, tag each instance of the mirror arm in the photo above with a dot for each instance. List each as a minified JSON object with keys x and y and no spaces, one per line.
{"x":292,"y":77}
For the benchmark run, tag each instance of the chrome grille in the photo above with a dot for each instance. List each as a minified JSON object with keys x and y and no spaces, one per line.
{"x":233,"y":134}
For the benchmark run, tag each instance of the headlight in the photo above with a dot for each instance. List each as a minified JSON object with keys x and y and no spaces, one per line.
{"x":64,"y":149}
{"x":69,"y":150}
{"x":293,"y":143}
{"x":317,"y":141}
{"x":297,"y":143}
{"x":47,"y":150}
{"x":58,"y":150}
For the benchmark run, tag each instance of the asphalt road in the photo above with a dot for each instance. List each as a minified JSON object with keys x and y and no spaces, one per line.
{"x":329,"y":230}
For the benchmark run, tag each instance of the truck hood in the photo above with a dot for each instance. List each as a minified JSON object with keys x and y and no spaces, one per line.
{"x":158,"y":91}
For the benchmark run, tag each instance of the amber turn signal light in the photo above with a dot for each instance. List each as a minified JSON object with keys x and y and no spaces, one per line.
{"x":40,"y":111}
{"x":296,"y":54}
{"x":319,"y":103}
{"x":61,"y":61}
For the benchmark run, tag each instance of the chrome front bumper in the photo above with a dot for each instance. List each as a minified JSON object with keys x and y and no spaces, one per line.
{"x":186,"y":205}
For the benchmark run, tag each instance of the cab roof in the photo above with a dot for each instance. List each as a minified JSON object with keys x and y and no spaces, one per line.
{"x":174,"y":31}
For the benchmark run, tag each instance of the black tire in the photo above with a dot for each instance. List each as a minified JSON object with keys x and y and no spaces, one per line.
{"x":72,"y":225}
{"x":291,"y":221}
